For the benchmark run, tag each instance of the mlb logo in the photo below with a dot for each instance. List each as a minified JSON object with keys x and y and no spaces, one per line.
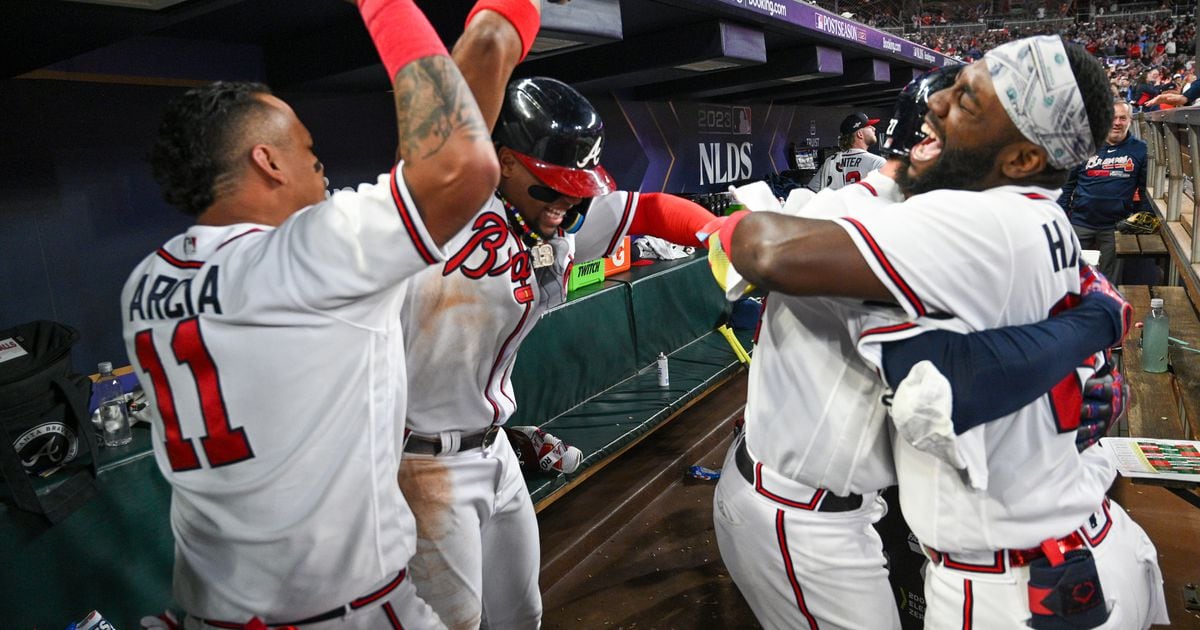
{"x":741,"y":120}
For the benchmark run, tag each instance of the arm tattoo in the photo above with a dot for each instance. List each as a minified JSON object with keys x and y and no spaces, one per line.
{"x":433,"y":103}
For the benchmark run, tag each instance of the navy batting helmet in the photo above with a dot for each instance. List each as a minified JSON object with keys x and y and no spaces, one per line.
{"x":904,"y":131}
{"x":555,"y":133}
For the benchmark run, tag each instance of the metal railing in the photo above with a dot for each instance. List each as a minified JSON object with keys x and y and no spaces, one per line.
{"x":1048,"y":23}
{"x":1173,"y":143}
{"x":1125,"y":16}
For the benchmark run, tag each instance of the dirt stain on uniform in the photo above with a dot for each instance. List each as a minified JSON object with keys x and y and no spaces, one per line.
{"x":427,"y":488}
{"x":440,"y":296}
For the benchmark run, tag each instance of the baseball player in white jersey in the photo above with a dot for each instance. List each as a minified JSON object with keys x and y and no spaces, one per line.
{"x":1000,"y":255}
{"x":478,"y":548}
{"x":853,"y":162}
{"x":267,"y":339}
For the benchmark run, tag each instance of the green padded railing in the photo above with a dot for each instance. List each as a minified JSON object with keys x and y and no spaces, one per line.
{"x":604,"y":424}
{"x":114,"y":554}
{"x":603,"y":393}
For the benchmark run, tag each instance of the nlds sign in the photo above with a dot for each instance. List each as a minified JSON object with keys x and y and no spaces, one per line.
{"x":723,"y":162}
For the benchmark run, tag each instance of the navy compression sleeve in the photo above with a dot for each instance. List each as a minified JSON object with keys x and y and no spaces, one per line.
{"x":993,"y":373}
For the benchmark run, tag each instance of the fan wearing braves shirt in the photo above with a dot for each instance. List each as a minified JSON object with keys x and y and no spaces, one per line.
{"x":478,"y":547}
{"x":1107,"y":188}
{"x":980,"y":239}
{"x":282,"y":457}
{"x":852,"y":162}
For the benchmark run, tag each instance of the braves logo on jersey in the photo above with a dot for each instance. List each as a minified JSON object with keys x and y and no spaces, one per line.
{"x":497,"y":254}
{"x":1118,"y":166}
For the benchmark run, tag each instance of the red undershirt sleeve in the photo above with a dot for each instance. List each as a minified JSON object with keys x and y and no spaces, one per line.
{"x":670,"y":218}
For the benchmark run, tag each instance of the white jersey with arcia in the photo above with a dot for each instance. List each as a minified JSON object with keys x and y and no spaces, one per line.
{"x":465,"y":320}
{"x":1003,"y":257}
{"x":814,"y":410}
{"x":846,"y":167}
{"x":272,"y":357}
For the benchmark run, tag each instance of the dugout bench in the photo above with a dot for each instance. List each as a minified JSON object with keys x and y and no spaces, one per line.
{"x":1165,"y":406}
{"x":586,"y":374}
{"x":1143,"y":258}
{"x":1142,"y":246}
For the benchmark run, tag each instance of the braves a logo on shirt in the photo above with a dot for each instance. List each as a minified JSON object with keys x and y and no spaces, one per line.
{"x":1119,"y":166}
{"x":490,"y":237}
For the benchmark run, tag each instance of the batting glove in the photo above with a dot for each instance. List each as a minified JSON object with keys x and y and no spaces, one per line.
{"x":719,"y":235}
{"x":1094,"y":286}
{"x":1105,"y":397}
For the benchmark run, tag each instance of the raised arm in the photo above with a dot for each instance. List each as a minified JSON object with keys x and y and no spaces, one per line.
{"x":449,"y":164}
{"x":497,"y":37}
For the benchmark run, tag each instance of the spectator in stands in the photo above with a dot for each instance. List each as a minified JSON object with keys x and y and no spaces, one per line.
{"x":1110,"y":186}
{"x":1185,"y":98}
{"x":1146,"y":89}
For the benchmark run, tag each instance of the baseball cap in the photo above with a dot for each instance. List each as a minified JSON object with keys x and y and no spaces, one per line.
{"x":854,"y":122}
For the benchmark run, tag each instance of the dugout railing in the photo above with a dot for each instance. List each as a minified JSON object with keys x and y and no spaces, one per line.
{"x":1173,"y":140}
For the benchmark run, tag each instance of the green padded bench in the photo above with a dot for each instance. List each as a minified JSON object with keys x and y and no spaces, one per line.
{"x":587,"y":372}
{"x":114,"y":554}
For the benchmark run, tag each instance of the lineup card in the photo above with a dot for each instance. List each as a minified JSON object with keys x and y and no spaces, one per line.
{"x":1176,"y":460}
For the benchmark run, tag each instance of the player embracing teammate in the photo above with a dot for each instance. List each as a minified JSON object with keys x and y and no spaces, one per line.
{"x":1012,"y":516}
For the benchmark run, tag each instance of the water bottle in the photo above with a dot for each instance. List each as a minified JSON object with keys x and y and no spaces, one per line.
{"x":1154,"y":338}
{"x":664,"y":379}
{"x":114,"y":414}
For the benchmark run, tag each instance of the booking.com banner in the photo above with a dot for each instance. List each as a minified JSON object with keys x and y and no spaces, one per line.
{"x":814,"y":18}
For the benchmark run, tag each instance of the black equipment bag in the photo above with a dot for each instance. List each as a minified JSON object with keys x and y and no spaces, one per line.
{"x":44,"y":424}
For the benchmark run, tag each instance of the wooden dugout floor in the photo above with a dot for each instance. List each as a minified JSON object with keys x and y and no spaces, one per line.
{"x":634,"y":547}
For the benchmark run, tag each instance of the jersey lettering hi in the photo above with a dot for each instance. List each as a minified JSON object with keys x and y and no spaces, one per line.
{"x":465,"y":320}
{"x":274,"y":496}
{"x":998,"y":258}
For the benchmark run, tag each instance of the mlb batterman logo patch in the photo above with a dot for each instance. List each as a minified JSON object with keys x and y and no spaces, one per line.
{"x":46,"y":446}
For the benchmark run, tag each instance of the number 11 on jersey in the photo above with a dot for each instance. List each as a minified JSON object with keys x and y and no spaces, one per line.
{"x":222,"y":445}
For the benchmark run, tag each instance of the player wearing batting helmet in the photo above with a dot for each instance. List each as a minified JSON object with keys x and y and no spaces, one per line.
{"x":478,"y":551}
{"x":1014,"y":508}
{"x":272,"y":358}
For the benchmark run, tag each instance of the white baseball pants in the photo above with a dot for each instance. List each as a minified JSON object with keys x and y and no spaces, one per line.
{"x":399,"y":609}
{"x":801,"y":568}
{"x":1126,"y":562}
{"x":478,"y":552}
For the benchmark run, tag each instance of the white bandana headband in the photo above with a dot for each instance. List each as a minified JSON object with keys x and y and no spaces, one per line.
{"x":1034,"y":83}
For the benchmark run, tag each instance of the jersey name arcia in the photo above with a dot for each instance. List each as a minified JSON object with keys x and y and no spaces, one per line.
{"x":171,"y":298}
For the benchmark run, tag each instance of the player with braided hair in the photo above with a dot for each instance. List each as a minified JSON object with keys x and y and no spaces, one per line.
{"x":478,"y":547}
